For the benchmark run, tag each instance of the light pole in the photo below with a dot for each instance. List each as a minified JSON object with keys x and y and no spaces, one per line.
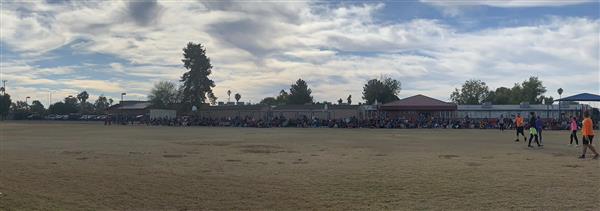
{"x":4,"y":87}
{"x":122,"y":94}
{"x":26,"y":100}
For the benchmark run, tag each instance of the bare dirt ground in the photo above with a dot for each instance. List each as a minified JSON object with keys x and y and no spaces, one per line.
{"x":67,"y":166}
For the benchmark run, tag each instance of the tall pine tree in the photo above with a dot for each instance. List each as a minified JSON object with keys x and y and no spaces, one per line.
{"x":197,"y":87}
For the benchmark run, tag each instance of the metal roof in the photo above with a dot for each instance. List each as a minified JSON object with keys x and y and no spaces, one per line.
{"x":581,"y":97}
{"x":135,"y":106}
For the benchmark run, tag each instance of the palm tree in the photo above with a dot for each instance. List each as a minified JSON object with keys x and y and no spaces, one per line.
{"x":237,"y":98}
{"x":228,"y":95}
{"x":82,"y":97}
{"x":560,"y":91}
{"x":340,"y":101}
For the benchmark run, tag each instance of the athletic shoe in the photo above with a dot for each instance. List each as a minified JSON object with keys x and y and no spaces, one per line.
{"x":577,"y":146}
{"x":582,"y":157}
{"x":569,"y":144}
{"x":529,"y":146}
{"x":517,"y":140}
{"x":596,"y":157}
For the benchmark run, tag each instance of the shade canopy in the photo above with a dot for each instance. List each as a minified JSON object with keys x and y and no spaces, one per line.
{"x":581,"y":97}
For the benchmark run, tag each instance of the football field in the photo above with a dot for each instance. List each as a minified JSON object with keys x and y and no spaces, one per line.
{"x":77,"y":166}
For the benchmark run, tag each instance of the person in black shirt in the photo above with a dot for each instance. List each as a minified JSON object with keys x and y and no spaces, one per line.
{"x":532,"y":130}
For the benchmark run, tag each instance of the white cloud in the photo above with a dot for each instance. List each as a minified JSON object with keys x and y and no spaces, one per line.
{"x":507,"y":3}
{"x":258,"y":49}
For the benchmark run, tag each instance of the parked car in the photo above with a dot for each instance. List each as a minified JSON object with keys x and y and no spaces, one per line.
{"x":51,"y":117}
{"x":34,"y":117}
{"x":87,"y":117}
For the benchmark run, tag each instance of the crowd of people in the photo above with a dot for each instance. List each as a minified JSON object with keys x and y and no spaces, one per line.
{"x":315,"y":122}
{"x":535,"y":125}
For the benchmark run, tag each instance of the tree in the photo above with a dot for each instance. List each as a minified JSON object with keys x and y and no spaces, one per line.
{"x":62,"y":108}
{"x":532,"y":90}
{"x":67,"y":107}
{"x":20,"y":110}
{"x":340,"y":101}
{"x":501,"y":96}
{"x":300,"y":93}
{"x":101,"y":104}
{"x":349,"y":99}
{"x":282,"y":98}
{"x":71,"y":100}
{"x":547,"y":100}
{"x":383,"y":90}
{"x":472,"y":92}
{"x":110,"y":101}
{"x":4,"y":105}
{"x":228,"y":95}
{"x":197,"y":87}
{"x":82,"y":97}
{"x":37,"y":107}
{"x":237,"y":98}
{"x":560,"y":91}
{"x":269,"y":101}
{"x":163,"y":95}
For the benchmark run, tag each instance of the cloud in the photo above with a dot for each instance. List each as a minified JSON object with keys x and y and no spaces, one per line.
{"x":507,"y":3}
{"x":259,"y":49}
{"x":144,"y":13}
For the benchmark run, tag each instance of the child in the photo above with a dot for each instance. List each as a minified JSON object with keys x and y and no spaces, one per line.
{"x":532,"y":131}
{"x":539,"y":125}
{"x":574,"y":128}
{"x":501,"y":122}
{"x":520,"y":128}
{"x":588,"y":135}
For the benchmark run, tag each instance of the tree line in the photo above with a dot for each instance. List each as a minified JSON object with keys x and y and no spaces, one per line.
{"x":78,"y":104}
{"x":530,"y":91}
{"x":195,"y":88}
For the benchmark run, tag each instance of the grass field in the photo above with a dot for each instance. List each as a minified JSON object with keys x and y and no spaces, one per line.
{"x":70,"y":166}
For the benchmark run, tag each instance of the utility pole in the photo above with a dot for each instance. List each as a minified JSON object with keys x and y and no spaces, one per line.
{"x":4,"y":86}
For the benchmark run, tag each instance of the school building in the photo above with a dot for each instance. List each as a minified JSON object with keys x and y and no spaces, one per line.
{"x":545,"y":111}
{"x":414,"y":107}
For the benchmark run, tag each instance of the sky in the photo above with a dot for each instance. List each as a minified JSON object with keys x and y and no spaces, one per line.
{"x":52,"y":49}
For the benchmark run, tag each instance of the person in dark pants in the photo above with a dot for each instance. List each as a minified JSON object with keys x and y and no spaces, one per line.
{"x":501,"y":122}
{"x":574,"y":128}
{"x":520,"y":127}
{"x":587,"y":131}
{"x":533,"y":131}
{"x":539,"y":125}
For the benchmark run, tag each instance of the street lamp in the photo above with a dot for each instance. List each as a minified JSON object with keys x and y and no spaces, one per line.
{"x":26,"y":100}
{"x":122,"y":94}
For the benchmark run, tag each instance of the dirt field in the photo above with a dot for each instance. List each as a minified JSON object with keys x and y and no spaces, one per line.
{"x":70,"y":166}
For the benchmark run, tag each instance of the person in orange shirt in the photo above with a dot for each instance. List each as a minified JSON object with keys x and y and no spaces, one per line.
{"x":520,"y":127}
{"x":588,"y":135}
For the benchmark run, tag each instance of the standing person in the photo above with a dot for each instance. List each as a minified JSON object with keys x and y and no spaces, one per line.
{"x":574,"y":128}
{"x":532,"y":130}
{"x":520,"y":128}
{"x":588,"y":135}
{"x":501,"y":122}
{"x":539,"y":125}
